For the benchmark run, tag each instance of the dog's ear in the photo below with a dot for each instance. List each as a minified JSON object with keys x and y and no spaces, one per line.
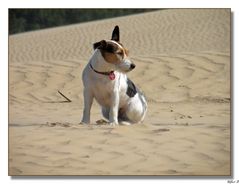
{"x":100,"y":45}
{"x":116,"y":34}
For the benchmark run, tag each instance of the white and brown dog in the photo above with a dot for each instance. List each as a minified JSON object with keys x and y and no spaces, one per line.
{"x":104,"y":79}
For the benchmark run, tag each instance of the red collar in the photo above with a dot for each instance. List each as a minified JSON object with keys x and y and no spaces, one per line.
{"x":110,"y":74}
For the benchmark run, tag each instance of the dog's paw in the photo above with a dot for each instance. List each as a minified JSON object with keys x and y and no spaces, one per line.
{"x":83,"y":123}
{"x":124,"y":123}
{"x":113,"y":124}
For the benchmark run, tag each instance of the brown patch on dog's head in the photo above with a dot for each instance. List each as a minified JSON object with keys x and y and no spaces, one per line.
{"x":111,"y":51}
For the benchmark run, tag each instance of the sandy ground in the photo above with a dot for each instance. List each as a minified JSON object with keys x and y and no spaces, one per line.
{"x":183,"y":67}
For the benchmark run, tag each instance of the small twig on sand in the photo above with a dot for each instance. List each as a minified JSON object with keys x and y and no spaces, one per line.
{"x":68,"y":100}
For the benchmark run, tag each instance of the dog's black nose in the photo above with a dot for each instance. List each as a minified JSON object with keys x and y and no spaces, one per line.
{"x":132,"y":66}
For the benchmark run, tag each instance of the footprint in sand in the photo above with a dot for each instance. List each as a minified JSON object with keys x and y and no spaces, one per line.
{"x":57,"y":124}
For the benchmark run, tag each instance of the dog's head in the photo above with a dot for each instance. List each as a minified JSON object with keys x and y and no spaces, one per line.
{"x":114,"y":52}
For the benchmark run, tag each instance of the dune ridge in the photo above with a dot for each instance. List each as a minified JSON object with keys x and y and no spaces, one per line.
{"x":183,"y":67}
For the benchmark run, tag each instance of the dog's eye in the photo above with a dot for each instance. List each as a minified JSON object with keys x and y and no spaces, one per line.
{"x":110,"y":48}
{"x":120,"y":53}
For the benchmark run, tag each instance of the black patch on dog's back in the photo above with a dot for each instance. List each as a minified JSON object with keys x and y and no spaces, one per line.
{"x":131,"y":89}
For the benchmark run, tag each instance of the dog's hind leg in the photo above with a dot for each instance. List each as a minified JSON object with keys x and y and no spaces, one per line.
{"x":122,"y":118}
{"x":136,"y":110}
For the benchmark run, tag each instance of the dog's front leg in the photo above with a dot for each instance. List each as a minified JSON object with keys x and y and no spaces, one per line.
{"x":113,"y":115}
{"x":88,"y":99}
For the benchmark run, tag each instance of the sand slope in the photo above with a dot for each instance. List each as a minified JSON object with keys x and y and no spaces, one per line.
{"x":183,"y":67}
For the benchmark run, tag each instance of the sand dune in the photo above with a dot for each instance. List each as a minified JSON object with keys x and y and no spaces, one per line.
{"x":183,"y":67}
